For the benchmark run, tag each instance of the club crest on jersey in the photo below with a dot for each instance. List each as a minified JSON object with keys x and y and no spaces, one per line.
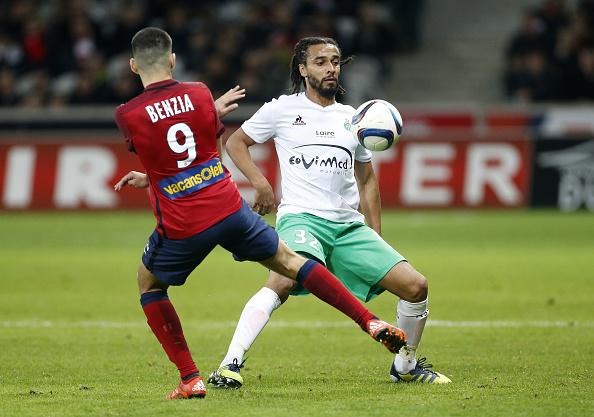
{"x":193,"y":179}
{"x":347,"y":125}
{"x":299,"y":121}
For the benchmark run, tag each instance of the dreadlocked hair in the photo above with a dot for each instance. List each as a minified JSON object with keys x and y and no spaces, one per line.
{"x":300,"y":57}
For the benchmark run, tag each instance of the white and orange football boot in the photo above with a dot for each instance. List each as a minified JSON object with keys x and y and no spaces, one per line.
{"x":388,"y":335}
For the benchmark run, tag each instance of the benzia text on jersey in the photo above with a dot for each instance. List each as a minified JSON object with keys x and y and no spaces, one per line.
{"x":167,"y":108}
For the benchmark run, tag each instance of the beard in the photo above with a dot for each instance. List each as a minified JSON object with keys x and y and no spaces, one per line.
{"x":326,"y":92}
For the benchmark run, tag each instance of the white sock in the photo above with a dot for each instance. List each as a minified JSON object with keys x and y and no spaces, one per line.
{"x":411,"y":318}
{"x":254,"y":317}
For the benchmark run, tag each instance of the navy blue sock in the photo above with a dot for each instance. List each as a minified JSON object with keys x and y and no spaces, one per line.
{"x":153,"y":296}
{"x":305,"y":270}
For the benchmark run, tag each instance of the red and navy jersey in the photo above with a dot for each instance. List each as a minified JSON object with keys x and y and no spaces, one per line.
{"x":173,"y":127}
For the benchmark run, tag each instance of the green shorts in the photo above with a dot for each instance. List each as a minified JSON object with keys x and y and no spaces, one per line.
{"x":354,"y":252}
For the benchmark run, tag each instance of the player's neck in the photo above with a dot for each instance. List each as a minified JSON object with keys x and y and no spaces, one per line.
{"x":317,"y":98}
{"x":148,"y":79}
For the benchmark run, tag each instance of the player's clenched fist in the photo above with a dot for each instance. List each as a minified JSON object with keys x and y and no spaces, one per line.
{"x":263,"y":199}
{"x":133,"y":179}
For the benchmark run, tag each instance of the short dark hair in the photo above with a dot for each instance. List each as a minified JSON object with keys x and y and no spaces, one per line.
{"x":300,"y":57}
{"x":151,"y":46}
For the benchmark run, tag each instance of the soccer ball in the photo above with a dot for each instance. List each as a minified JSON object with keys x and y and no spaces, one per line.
{"x":377,"y":125}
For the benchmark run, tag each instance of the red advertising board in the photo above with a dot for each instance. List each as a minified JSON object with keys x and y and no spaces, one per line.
{"x":66,"y":175}
{"x":467,"y":171}
{"x":460,"y":172}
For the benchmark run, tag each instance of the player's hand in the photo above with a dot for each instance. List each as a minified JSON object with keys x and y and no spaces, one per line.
{"x":133,"y":179}
{"x":263,"y":199}
{"x":227,"y":102}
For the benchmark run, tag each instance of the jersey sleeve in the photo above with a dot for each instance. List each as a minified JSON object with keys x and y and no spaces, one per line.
{"x":362,"y":154}
{"x":119,"y":119}
{"x":219,"y":126}
{"x":262,"y":125}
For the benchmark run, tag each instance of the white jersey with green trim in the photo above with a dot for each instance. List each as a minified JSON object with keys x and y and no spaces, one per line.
{"x":316,"y":151}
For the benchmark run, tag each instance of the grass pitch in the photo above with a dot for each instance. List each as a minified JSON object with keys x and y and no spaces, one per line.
{"x":512,"y":323}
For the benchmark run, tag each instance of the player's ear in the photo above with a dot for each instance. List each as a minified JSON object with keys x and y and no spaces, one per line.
{"x":133,"y":66}
{"x":172,"y":60}
{"x":302,"y":70}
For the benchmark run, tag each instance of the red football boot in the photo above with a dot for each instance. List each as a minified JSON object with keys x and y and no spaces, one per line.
{"x":194,"y":388}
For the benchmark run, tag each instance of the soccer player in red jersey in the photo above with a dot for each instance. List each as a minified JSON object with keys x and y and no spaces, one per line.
{"x":175,"y":130}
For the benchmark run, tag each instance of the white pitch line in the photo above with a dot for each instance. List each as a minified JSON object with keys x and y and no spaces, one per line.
{"x":105,"y":324}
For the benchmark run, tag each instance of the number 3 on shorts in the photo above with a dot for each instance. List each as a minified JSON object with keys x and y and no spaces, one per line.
{"x":300,"y":238}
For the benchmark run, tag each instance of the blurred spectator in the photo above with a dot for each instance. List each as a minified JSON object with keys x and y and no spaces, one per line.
{"x":11,"y":53}
{"x":75,"y":52}
{"x":372,"y":42}
{"x":35,"y":48}
{"x":536,"y":81}
{"x":8,"y":93}
{"x":551,"y":57}
{"x":85,"y":91}
{"x":34,"y":89}
{"x":177,"y":25}
{"x":407,"y":18}
{"x":124,"y":87}
{"x":554,"y":16}
{"x":581,"y":84}
{"x":217,"y":74}
{"x":198,"y":45}
{"x":530,"y":36}
{"x":129,"y":20}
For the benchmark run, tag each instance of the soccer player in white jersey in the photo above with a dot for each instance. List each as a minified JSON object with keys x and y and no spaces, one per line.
{"x":327,"y":177}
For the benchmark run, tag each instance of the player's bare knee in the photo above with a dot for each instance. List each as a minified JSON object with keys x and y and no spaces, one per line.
{"x":419,"y":288}
{"x":281,"y":285}
{"x":296,"y":261}
{"x":147,"y":281}
{"x":286,"y":262}
{"x":141,"y":280}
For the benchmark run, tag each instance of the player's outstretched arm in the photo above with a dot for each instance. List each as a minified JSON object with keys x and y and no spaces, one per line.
{"x":227,"y":102}
{"x":237,"y":147}
{"x":369,"y":193}
{"x":133,"y":179}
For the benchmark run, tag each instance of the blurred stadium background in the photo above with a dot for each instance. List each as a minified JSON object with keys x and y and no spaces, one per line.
{"x":496,"y":94}
{"x":497,"y":98}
